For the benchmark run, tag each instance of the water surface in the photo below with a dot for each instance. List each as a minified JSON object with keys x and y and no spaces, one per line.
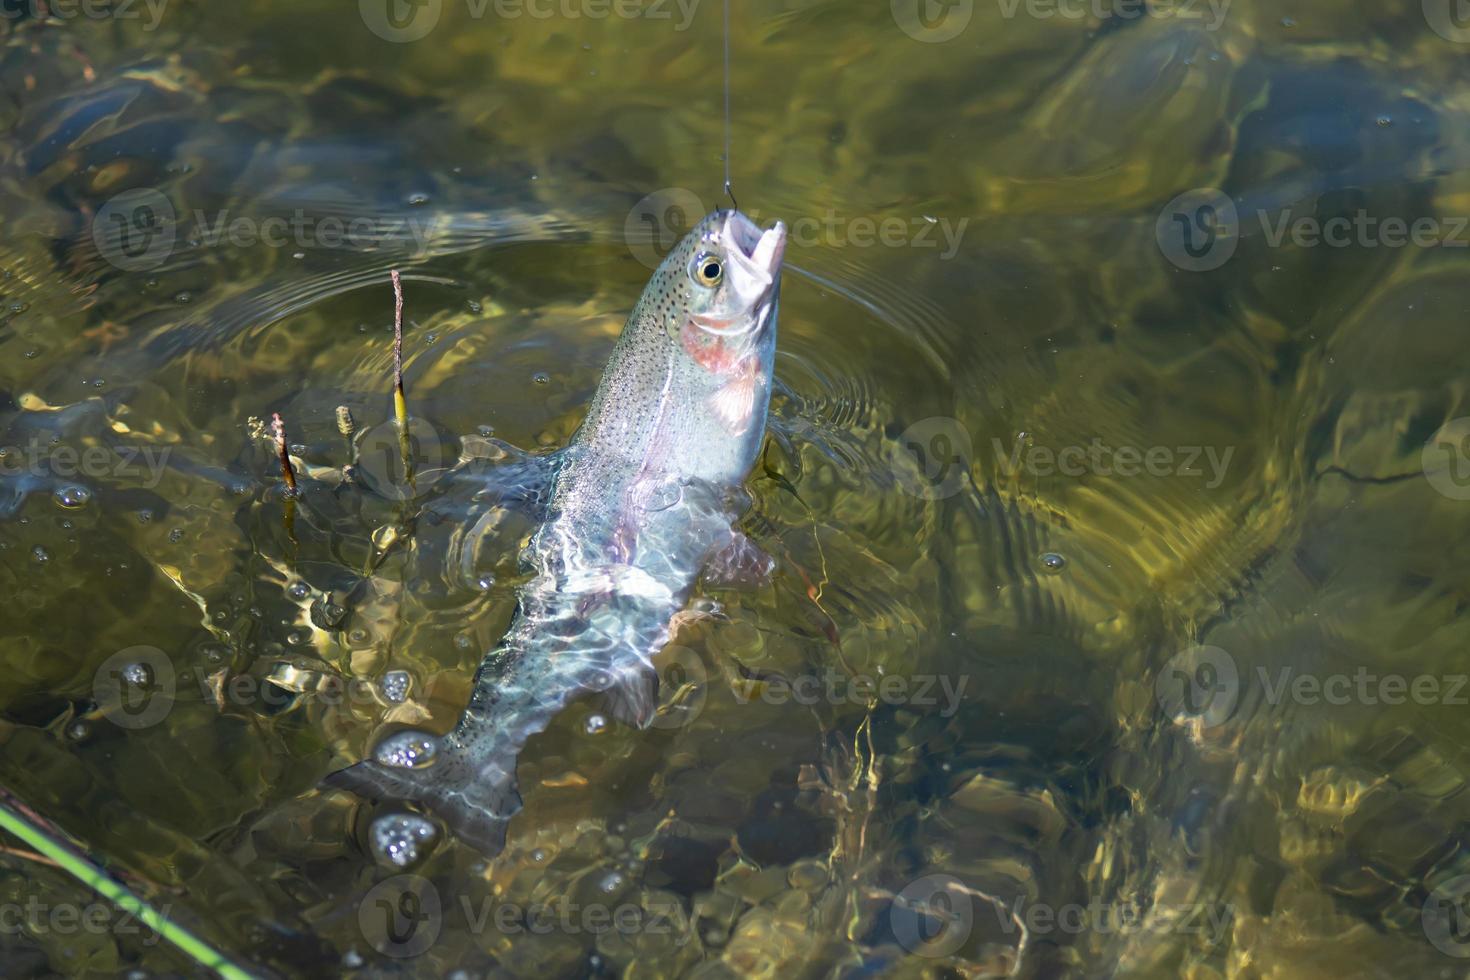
{"x":1097,"y":479}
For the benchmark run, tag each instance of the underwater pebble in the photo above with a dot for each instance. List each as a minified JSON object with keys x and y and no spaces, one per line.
{"x":398,"y":837}
{"x":407,"y":749}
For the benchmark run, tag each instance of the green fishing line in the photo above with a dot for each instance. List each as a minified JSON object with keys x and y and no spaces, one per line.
{"x":99,"y":881}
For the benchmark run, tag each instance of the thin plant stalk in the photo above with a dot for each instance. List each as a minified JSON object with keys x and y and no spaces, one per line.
{"x":400,"y":401}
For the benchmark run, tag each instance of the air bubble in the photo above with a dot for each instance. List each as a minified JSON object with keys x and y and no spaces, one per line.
{"x":1053,"y":562}
{"x":407,"y":750}
{"x":398,"y":838}
{"x":73,"y":497}
{"x":595,"y":724}
{"x":396,"y":684}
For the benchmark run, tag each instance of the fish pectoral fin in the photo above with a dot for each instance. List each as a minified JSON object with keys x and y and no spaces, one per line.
{"x":494,"y":472}
{"x":633,"y":698}
{"x":740,"y":563}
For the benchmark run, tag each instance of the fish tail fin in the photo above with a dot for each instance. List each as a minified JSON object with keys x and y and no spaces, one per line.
{"x":475,"y":809}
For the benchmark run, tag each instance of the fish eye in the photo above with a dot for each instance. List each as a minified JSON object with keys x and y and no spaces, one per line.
{"x":707,"y":270}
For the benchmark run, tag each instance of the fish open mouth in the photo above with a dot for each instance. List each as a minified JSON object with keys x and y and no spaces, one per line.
{"x":758,"y":252}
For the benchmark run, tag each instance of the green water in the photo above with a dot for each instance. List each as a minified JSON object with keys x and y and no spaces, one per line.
{"x":1118,"y":479}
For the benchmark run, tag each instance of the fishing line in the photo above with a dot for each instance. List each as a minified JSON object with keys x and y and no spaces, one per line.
{"x":728,"y":189}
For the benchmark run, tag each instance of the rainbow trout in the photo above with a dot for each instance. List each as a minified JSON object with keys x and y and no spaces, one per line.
{"x":637,"y":512}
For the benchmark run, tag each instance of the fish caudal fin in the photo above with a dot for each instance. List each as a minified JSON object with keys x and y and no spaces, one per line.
{"x":475,"y":811}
